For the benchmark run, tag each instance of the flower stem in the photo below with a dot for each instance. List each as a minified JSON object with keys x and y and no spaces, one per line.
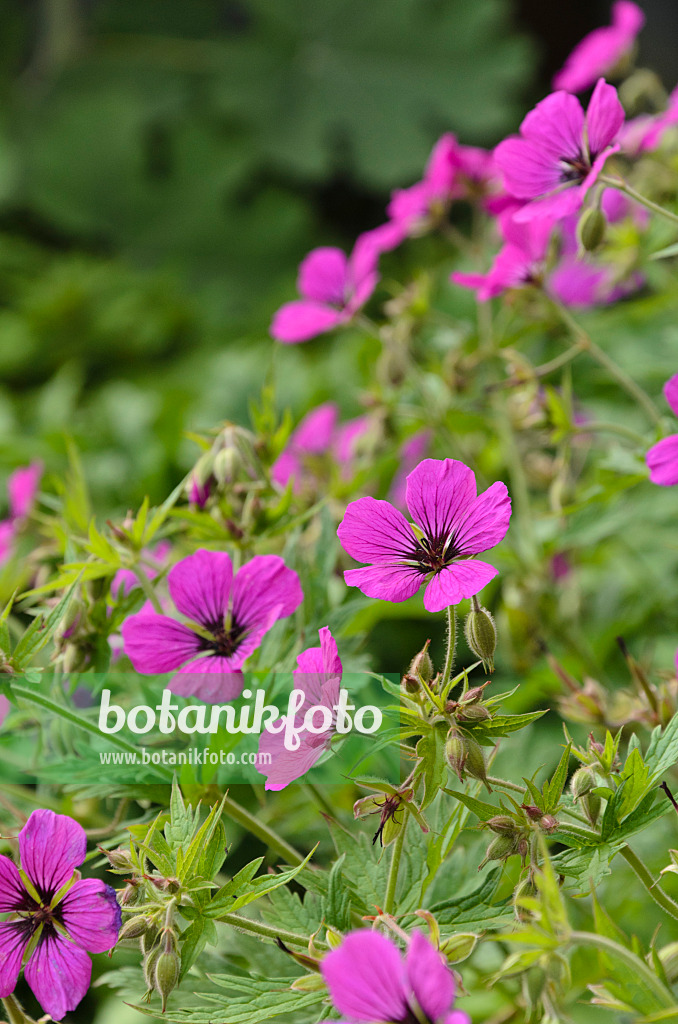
{"x":610,"y":428}
{"x":148,"y":590}
{"x":321,"y":800}
{"x":623,"y":186}
{"x":661,"y":898}
{"x":262,"y":831}
{"x":451,"y":644}
{"x":505,"y":784}
{"x":637,"y":966}
{"x":14,"y":1011}
{"x":57,"y":709}
{"x":266,"y":931}
{"x":620,"y":376}
{"x":392,"y":881}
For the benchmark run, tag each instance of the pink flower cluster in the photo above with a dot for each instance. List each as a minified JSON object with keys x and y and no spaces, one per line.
{"x":22,"y":488}
{"x":319,"y":434}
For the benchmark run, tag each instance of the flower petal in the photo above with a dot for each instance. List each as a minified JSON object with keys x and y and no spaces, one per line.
{"x":374,"y":531}
{"x":365,"y":978}
{"x":604,"y":117}
{"x":439,"y":492}
{"x":4,"y":709}
{"x":59,"y":974}
{"x":51,"y":847}
{"x":662,"y":461}
{"x":91,"y":915}
{"x":314,"y":433}
{"x":303,"y":320}
{"x":156,"y":643}
{"x":323,"y":276}
{"x":200,"y":587}
{"x":457,"y":582}
{"x":265,"y":590}
{"x":12,"y":891}
{"x":556,"y":125}
{"x":213,"y":680}
{"x":386,"y":582}
{"x":288,"y":765}
{"x":14,"y":937}
{"x":431,"y":980}
{"x":528,"y":169}
{"x":22,"y":488}
{"x":671,"y":393}
{"x":486,"y":521}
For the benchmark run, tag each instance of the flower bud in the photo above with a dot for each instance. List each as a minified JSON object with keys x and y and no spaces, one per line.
{"x":481,"y":635}
{"x":120,"y":859}
{"x":308,"y":983}
{"x":591,"y":229}
{"x":227,"y":462}
{"x":134,"y":928}
{"x":421,"y":665}
{"x":455,"y":751}
{"x":532,"y":811}
{"x":591,"y":806}
{"x":583,"y":781}
{"x":499,"y":849}
{"x":472,"y":713}
{"x":465,"y":755}
{"x":167,"y":970}
{"x":502,"y":824}
{"x":548,"y":823}
{"x":475,"y":760}
{"x":458,"y":947}
{"x":333,"y":938}
{"x":149,"y":965}
{"x":473,"y":695}
{"x":130,"y":895}
{"x":410,"y":684}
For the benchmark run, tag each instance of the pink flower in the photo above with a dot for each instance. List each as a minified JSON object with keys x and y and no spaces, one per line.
{"x":319,"y":676}
{"x":451,"y":525}
{"x":198,"y":493}
{"x":333,"y":289}
{"x":371,"y":982}
{"x":644,"y":133}
{"x":601,"y":50}
{"x":520,"y":262}
{"x":410,"y":208}
{"x":85,"y":919}
{"x":560,"y":152}
{"x":318,"y":434}
{"x":662,"y":458}
{"x":235,"y":611}
{"x":4,"y":709}
{"x":125,"y":580}
{"x":22,"y":488}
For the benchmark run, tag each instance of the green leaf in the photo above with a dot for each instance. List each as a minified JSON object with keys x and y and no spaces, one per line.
{"x":245,"y":1001}
{"x":553,"y":790}
{"x":432,"y":762}
{"x":481,"y":809}
{"x":41,"y":630}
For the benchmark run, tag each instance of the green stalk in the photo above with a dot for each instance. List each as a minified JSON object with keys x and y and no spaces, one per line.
{"x":389,"y":900}
{"x":262,"y":831}
{"x":451,"y":644}
{"x":622,"y":186}
{"x":266,"y":931}
{"x":81,"y":723}
{"x":661,"y":898}
{"x":14,"y":1011}
{"x":147,"y":588}
{"x":637,"y":966}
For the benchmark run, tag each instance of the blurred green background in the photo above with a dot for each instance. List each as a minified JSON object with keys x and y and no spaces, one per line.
{"x":165,"y":165}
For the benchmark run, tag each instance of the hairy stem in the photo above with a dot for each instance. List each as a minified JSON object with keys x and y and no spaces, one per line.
{"x":642,"y":872}
{"x":451,"y":645}
{"x":82,"y":723}
{"x":14,"y":1011}
{"x":505,"y":784}
{"x":392,"y":881}
{"x":262,"y":831}
{"x":649,"y":204}
{"x":266,"y":931}
{"x":147,"y":588}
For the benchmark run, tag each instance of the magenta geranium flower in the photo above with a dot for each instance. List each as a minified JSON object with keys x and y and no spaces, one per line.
{"x":662,"y":458}
{"x":318,"y":433}
{"x":22,"y":488}
{"x":561,"y":151}
{"x":452,"y":524}
{"x":410,"y":208}
{"x":61,"y":925}
{"x":600,"y":51}
{"x":518,"y":263}
{"x":228,"y":614}
{"x":319,"y":675}
{"x":333,"y":287}
{"x":372,"y":983}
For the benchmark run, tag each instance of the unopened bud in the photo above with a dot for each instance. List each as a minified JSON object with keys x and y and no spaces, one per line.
{"x":120,"y":859}
{"x":465,"y":755}
{"x":548,"y":823}
{"x":458,"y":947}
{"x":591,"y":229}
{"x":583,"y":781}
{"x":475,"y":760}
{"x":473,"y":695}
{"x":227,"y":463}
{"x":455,"y":751}
{"x":472,"y":713}
{"x":532,"y":811}
{"x":134,"y":928}
{"x":421,"y":665}
{"x":130,"y":895}
{"x":167,"y":970}
{"x":499,"y":849}
{"x":502,"y":824}
{"x":591,"y":807}
{"x":481,"y":635}
{"x":410,"y":684}
{"x":333,"y":938}
{"x":308,"y":983}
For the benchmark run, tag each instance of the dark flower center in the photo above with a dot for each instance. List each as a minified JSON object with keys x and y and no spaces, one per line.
{"x":434,"y":555}
{"x":226,"y":641}
{"x":575,"y":169}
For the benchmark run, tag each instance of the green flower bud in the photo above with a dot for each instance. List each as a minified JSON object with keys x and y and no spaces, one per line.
{"x":455,"y":751}
{"x":308,"y":983}
{"x":149,"y":965}
{"x":465,"y":756}
{"x":167,"y":970}
{"x":548,"y":823}
{"x":458,"y":947}
{"x":481,"y":635}
{"x":472,"y":713}
{"x":475,"y":760}
{"x":591,"y":807}
{"x":410,"y":684}
{"x":421,"y":665}
{"x":669,"y":958}
{"x":583,"y":781}
{"x":502,"y":824}
{"x":591,"y":229}
{"x":134,"y":928}
{"x":120,"y":859}
{"x":499,"y":849}
{"x":227,"y":462}
{"x":333,"y":938}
